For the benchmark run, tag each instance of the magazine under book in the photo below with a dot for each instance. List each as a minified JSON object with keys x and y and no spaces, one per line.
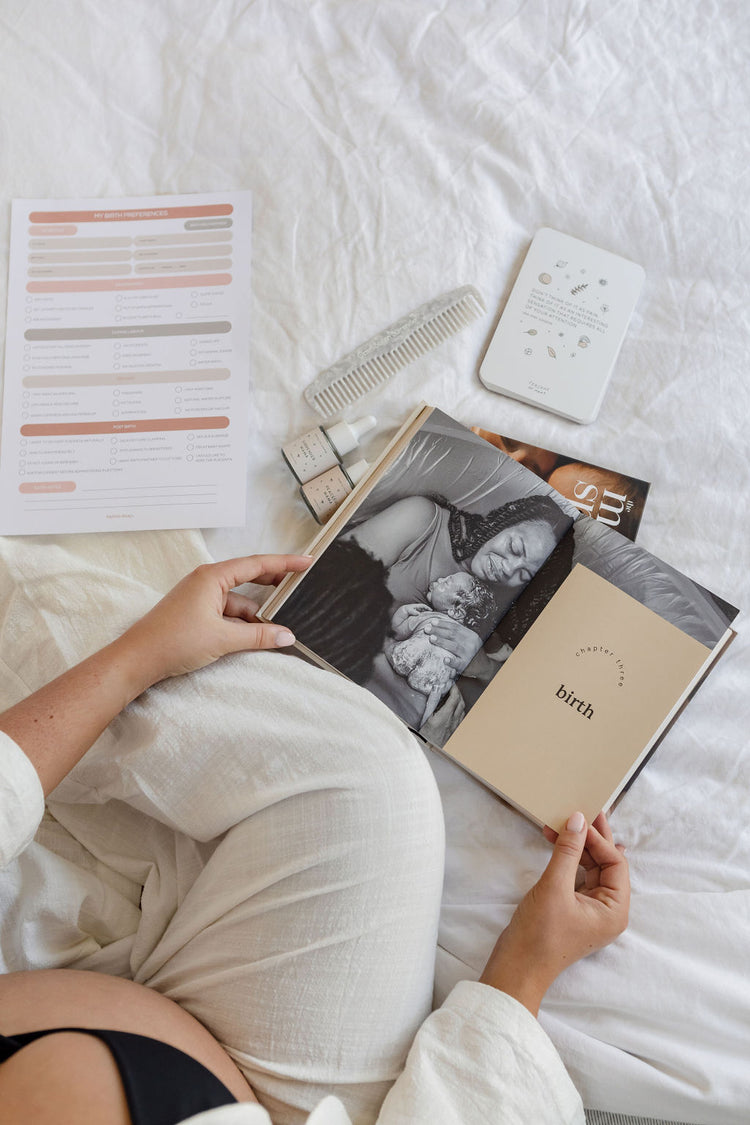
{"x":611,"y":497}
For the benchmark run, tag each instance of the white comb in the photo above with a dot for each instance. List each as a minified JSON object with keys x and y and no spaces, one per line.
{"x":372,"y":363}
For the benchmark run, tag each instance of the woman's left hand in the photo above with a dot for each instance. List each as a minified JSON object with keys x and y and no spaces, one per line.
{"x":204,"y":618}
{"x":460,"y":642}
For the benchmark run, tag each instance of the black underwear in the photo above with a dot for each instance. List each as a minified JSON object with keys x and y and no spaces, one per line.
{"x":162,"y":1085}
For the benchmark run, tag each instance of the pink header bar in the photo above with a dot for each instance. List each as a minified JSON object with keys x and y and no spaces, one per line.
{"x":48,"y":486}
{"x":59,"y":229}
{"x":129,"y":216}
{"x":177,"y":281}
{"x":147,"y":425}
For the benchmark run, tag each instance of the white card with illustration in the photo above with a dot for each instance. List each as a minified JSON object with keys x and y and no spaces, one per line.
{"x":563,"y":325}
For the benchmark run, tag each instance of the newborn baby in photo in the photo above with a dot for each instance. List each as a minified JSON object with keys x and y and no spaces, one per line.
{"x":457,"y":597}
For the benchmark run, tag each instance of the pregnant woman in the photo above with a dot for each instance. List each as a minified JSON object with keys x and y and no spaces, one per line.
{"x":281,"y":852}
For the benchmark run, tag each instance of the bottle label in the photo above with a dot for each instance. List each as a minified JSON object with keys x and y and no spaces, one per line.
{"x":326,"y":492}
{"x":310,"y":455}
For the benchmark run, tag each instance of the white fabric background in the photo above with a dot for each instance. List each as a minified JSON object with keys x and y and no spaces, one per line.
{"x":398,"y":150}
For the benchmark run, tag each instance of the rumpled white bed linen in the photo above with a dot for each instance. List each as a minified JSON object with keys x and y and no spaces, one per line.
{"x":395,"y":151}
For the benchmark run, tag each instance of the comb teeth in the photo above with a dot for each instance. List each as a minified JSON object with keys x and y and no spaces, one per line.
{"x":373,"y":363}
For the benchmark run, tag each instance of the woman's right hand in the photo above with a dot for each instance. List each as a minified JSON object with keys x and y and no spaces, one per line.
{"x":555,"y":924}
{"x":461,"y":643}
{"x":406,"y":618}
{"x":204,"y":618}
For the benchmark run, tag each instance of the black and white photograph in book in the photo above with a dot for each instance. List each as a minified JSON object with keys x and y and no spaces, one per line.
{"x":405,"y":597}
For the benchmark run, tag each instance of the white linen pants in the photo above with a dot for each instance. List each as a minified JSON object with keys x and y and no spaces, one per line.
{"x":260,"y":841}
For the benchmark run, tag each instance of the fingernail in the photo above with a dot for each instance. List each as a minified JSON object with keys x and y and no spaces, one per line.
{"x":576,"y":822}
{"x":283,"y":639}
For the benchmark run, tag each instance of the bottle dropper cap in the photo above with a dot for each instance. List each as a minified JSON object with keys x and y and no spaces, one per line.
{"x":356,"y":471}
{"x":345,"y":436}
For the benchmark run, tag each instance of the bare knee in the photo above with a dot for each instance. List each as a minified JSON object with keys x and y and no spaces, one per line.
{"x":63,"y":1079}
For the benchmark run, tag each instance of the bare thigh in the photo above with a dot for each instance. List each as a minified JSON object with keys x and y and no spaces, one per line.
{"x":46,"y":998}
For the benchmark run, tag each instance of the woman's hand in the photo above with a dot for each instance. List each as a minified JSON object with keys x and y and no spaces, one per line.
{"x":201,"y":619}
{"x":441,"y":723}
{"x":204,"y":618}
{"x":461,"y":643}
{"x":554,"y":924}
{"x":406,"y":618}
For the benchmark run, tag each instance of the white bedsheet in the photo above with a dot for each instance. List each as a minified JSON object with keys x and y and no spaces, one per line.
{"x":396,"y":151}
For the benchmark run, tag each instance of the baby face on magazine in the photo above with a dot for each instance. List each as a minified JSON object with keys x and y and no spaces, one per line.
{"x":459,"y":596}
{"x":453,"y":594}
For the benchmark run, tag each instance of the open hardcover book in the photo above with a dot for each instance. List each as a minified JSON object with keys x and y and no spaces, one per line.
{"x":540,"y":649}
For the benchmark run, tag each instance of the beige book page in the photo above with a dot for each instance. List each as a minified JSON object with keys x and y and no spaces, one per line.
{"x":578,"y":702}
